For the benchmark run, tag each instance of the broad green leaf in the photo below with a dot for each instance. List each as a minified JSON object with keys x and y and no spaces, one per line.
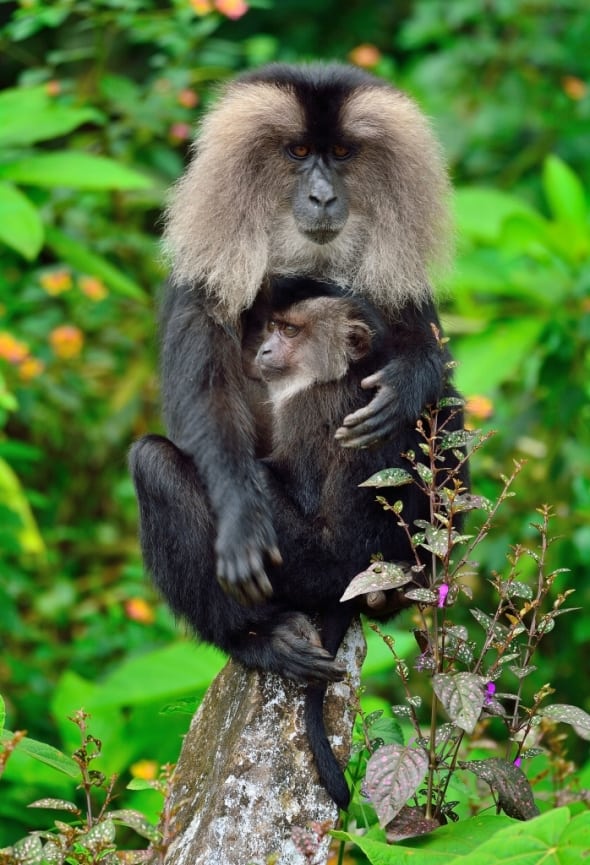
{"x":394,"y":772}
{"x":46,"y":754}
{"x":462,"y":697}
{"x":21,"y":227}
{"x":554,"y":838}
{"x":489,"y":359}
{"x":176,"y":669}
{"x":565,"y":193}
{"x":13,"y":497}
{"x":81,"y":258}
{"x":56,"y":804}
{"x":481,"y":212}
{"x":30,"y":114}
{"x":73,"y":170}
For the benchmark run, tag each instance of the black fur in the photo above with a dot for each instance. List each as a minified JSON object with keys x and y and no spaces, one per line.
{"x":328,"y":527}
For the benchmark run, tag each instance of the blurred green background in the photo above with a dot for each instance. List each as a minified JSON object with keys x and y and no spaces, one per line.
{"x":99,"y":100}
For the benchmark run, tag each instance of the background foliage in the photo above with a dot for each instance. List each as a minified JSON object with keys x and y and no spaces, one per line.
{"x":99,"y":100}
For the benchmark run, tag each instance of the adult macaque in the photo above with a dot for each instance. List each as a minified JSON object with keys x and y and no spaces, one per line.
{"x":321,"y":171}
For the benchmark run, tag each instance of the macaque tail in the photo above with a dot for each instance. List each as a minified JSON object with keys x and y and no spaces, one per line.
{"x":331,"y":775}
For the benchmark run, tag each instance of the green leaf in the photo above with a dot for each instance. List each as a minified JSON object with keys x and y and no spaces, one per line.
{"x":13,"y":497}
{"x":56,"y":804}
{"x":481,"y":212}
{"x":2,"y":713}
{"x":489,"y":359}
{"x":31,"y":114}
{"x":176,"y":669}
{"x":554,"y":838}
{"x":21,"y":227}
{"x":46,"y":754}
{"x":81,"y":258}
{"x":565,"y":193}
{"x":73,"y":170}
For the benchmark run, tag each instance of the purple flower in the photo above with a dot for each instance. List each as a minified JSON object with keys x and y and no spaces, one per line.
{"x":490,"y":691}
{"x":443,"y":591}
{"x":518,"y":761}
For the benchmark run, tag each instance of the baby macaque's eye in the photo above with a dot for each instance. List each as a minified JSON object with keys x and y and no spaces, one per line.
{"x":291,"y":330}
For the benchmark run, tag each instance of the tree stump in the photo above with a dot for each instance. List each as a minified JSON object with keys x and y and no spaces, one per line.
{"x":245,"y":777}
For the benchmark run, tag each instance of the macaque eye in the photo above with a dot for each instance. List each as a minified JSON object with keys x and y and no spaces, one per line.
{"x":340,"y":151}
{"x":298,"y":151}
{"x":290,"y":330}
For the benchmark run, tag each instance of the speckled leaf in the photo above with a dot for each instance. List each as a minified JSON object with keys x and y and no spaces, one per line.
{"x":436,"y":541}
{"x":425,"y":473}
{"x":577,"y":718}
{"x":388,"y":478}
{"x":99,"y":836}
{"x":488,"y":624}
{"x":509,"y":783}
{"x":394,"y":773}
{"x":462,"y":696}
{"x":458,"y":439}
{"x":522,"y":672}
{"x":57,"y":804}
{"x":409,"y":823}
{"x":380,"y":576}
{"x":516,"y":589}
{"x":135,"y":820}
{"x":28,"y":850}
{"x":422,"y":596}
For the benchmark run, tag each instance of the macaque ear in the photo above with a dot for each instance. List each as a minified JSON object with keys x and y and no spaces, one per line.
{"x":360,"y":338}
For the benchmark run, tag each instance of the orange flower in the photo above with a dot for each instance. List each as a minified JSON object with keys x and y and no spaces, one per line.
{"x":138,"y":610}
{"x":574,"y":87}
{"x":365,"y":55}
{"x":188,"y":98}
{"x":30,"y":368}
{"x":12,"y":349}
{"x":146,"y":770}
{"x":66,"y":341}
{"x":56,"y":281}
{"x":233,"y":9}
{"x":479,"y":407}
{"x":92,"y":287}
{"x":53,"y":88}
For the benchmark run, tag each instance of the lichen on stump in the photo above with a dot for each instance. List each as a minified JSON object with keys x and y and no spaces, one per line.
{"x":245,"y":777}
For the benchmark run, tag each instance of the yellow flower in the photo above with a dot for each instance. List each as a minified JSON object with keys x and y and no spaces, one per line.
{"x":202,"y":7}
{"x":365,"y":55}
{"x":56,"y":281}
{"x":138,"y":610}
{"x":66,"y":341}
{"x":146,"y":770}
{"x":233,"y":9}
{"x":92,"y":287}
{"x":30,"y":368}
{"x":12,"y":349}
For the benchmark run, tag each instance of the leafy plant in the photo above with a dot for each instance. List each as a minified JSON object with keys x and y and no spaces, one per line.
{"x":410,"y":779}
{"x":90,"y":836}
